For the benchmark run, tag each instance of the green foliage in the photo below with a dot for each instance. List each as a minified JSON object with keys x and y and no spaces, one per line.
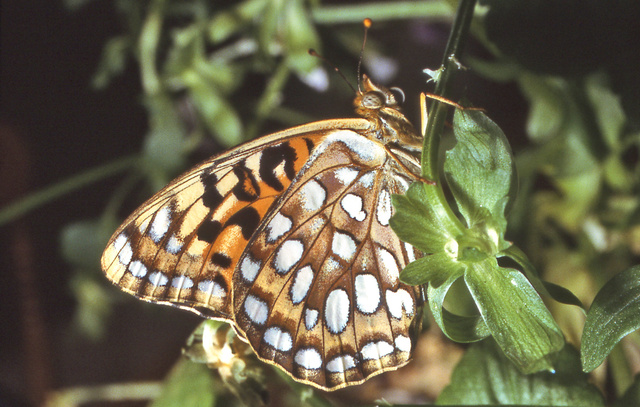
{"x":485,"y":377}
{"x":188,"y":385}
{"x":612,"y":316}
{"x":480,"y":176}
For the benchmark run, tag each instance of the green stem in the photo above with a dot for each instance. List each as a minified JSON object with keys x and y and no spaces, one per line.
{"x":435,"y":124}
{"x":436,"y":120}
{"x":44,"y":196}
{"x":438,"y":112}
{"x":382,"y":11}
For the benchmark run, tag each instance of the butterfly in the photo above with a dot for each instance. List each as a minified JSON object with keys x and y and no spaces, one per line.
{"x":287,"y":238}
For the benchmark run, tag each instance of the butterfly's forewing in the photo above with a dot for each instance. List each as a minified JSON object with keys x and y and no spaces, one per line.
{"x":182,"y":246}
{"x":317,"y":290}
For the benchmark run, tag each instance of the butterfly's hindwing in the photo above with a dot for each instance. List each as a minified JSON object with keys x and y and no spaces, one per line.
{"x":317,"y":291}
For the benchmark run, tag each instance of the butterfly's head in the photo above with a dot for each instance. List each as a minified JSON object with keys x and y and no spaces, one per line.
{"x":381,"y":106}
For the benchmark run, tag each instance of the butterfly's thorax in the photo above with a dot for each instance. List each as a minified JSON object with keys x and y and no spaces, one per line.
{"x":287,"y":237}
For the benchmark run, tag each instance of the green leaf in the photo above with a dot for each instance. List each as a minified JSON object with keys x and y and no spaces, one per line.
{"x":548,"y":109}
{"x":93,"y":306}
{"x":607,"y":108}
{"x":434,"y":268}
{"x":286,"y":28}
{"x":562,"y":295}
{"x":189,"y":385}
{"x":300,"y":35}
{"x":479,"y":169}
{"x":458,"y":328}
{"x":554,"y":291}
{"x":515,"y":315}
{"x":229,"y":22}
{"x":112,"y":62}
{"x":613,"y":315}
{"x":416,"y":220}
{"x":485,"y":376}
{"x":218,"y":113}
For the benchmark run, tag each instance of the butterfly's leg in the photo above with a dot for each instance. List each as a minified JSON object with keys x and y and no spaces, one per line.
{"x":404,"y":167}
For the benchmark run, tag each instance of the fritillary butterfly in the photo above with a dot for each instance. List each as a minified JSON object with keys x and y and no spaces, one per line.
{"x":287,"y":237}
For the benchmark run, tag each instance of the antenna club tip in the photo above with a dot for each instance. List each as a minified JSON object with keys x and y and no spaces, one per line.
{"x":312,"y":52}
{"x":367,"y":22}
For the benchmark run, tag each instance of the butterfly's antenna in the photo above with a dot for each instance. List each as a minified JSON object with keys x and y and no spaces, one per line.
{"x":367,"y":22}
{"x":313,"y":53}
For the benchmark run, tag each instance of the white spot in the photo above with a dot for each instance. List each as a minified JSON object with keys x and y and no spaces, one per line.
{"x":160,"y":225}
{"x":341,"y":364}
{"x":301,"y":284}
{"x":343,"y":246}
{"x":137,"y":269}
{"x":249,"y":268}
{"x":367,"y":293}
{"x":398,"y":301}
{"x":308,"y":358}
{"x":336,"y":311}
{"x":142,"y":227}
{"x":389,"y":264}
{"x":278,"y":226}
{"x":279,"y":339}
{"x":289,"y":253}
{"x":384,"y":208}
{"x":367,"y":179}
{"x":411,"y":254}
{"x":158,"y":279}
{"x":376,"y":350}
{"x":331,"y":266}
{"x":313,"y":195}
{"x":403,"y":343}
{"x":182,"y":282}
{"x":352,"y":204}
{"x":346,"y":175}
{"x":122,"y":246}
{"x":174,"y":245}
{"x":257,"y":310}
{"x":310,"y":318}
{"x":212,"y":288}
{"x":367,"y":150}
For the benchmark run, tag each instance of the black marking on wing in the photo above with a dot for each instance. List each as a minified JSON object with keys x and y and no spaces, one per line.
{"x":247,"y":188}
{"x":271,"y":159}
{"x":209,"y":230}
{"x":211,"y":198}
{"x":247,"y":218}
{"x":221,"y":260}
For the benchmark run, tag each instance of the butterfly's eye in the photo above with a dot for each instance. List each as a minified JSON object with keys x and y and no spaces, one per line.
{"x":373,"y":100}
{"x":395,"y":96}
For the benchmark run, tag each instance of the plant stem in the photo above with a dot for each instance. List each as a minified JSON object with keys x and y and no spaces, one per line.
{"x":435,"y":124}
{"x":44,"y":196}
{"x":383,"y":11}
